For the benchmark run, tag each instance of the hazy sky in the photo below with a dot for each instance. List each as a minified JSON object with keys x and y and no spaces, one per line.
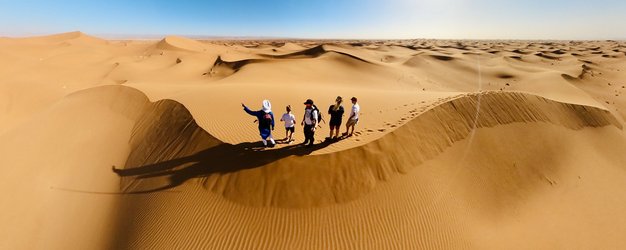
{"x":470,"y":19}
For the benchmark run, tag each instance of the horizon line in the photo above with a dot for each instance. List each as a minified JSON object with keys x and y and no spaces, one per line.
{"x":122,"y":37}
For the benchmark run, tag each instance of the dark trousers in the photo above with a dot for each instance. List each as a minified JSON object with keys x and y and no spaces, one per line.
{"x":309,"y":135}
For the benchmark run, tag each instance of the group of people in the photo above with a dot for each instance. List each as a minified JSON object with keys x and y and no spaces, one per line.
{"x":310,"y":121}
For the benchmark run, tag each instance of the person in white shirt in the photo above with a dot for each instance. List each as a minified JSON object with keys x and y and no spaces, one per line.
{"x":309,"y":121}
{"x":290,"y":124}
{"x":354,"y":117}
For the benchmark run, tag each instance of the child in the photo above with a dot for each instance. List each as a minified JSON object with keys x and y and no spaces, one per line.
{"x":266,"y":121}
{"x":290,"y":124}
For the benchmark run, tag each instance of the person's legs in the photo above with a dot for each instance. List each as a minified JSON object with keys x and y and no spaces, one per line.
{"x":354,"y":123}
{"x":307,"y":133}
{"x":272,"y":140}
{"x":312,"y":137}
{"x":263,"y":134}
{"x":349,"y":123}
{"x":266,"y":133}
{"x":286,"y":133}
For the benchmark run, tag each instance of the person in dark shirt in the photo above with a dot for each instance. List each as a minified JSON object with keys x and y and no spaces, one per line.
{"x":336,"y":115}
{"x":265,"y":117}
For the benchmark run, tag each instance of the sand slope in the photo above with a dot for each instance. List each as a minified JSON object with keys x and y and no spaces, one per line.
{"x":461,"y":144}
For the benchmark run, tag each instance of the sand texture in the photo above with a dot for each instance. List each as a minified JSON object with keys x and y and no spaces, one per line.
{"x":460,"y":145}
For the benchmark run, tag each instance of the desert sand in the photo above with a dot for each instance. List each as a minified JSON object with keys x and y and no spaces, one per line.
{"x":460,"y":144}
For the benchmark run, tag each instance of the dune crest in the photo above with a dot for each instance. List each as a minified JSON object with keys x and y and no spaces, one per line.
{"x":169,"y":148}
{"x":180,"y":44}
{"x":223,"y":68}
{"x":68,"y":38}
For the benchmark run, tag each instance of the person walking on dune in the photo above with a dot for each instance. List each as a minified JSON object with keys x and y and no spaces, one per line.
{"x":290,"y":124}
{"x":265,"y":117}
{"x":336,"y":115}
{"x":354,"y":117}
{"x":310,"y":121}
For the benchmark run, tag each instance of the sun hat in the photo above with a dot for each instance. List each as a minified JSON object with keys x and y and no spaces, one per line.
{"x":309,"y":101}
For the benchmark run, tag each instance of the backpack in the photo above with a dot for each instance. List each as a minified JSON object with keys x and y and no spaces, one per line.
{"x":319,"y":114}
{"x":266,"y":121}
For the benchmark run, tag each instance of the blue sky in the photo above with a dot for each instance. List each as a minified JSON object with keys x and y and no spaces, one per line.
{"x":461,"y":19}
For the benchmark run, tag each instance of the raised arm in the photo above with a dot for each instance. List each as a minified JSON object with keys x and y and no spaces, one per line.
{"x":250,"y":112}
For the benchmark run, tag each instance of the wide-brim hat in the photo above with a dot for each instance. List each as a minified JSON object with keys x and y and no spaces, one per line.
{"x":309,"y":101}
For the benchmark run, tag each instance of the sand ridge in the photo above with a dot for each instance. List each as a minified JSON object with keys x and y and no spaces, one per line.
{"x":167,"y":155}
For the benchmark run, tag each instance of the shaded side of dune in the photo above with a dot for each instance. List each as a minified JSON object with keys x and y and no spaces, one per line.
{"x":314,"y":52}
{"x":169,"y":148}
{"x":166,"y":130}
{"x":221,"y":68}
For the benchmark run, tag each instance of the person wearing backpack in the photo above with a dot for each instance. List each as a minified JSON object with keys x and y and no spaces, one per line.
{"x":310,"y":120}
{"x":265,"y":117}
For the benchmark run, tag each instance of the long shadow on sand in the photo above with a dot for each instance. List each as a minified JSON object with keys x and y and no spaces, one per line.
{"x":223,"y":158}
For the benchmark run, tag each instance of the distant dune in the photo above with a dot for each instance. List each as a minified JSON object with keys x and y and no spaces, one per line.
{"x":76,"y":36}
{"x":180,"y":43}
{"x":460,"y":144}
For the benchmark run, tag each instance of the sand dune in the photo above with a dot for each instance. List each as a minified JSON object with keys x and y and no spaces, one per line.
{"x":461,"y":144}
{"x":68,"y":38}
{"x":180,"y":43}
{"x":163,"y":149}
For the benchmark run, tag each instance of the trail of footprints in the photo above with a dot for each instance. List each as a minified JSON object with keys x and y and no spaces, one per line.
{"x":420,"y":108}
